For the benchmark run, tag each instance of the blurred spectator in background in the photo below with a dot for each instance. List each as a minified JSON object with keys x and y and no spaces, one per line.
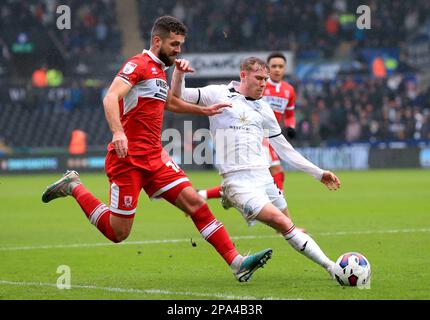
{"x":78,"y":142}
{"x":39,"y":78}
{"x":4,"y":149}
{"x":54,"y":77}
{"x":353,"y":128}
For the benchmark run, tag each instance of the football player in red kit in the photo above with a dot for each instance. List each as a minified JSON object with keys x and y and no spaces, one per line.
{"x":134,"y":108}
{"x":281,"y":97}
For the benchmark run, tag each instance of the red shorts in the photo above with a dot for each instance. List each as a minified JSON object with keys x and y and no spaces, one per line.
{"x":129,"y":175}
{"x":271,"y":154}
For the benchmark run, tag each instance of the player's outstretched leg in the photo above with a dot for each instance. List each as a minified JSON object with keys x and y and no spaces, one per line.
{"x":97,"y":212}
{"x":300,"y":241}
{"x":251,"y":263}
{"x":307,"y":246}
{"x":215,"y":233}
{"x":62,"y":187}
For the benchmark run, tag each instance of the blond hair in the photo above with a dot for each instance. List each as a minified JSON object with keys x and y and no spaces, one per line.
{"x":249,"y":63}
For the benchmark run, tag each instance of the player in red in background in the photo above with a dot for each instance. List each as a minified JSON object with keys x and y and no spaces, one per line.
{"x":281,"y":97}
{"x":134,"y":107}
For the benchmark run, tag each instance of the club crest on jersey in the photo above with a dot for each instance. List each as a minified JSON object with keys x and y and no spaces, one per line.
{"x":129,"y":67}
{"x":243,"y":118}
{"x":128,"y":201}
{"x":287,"y":93}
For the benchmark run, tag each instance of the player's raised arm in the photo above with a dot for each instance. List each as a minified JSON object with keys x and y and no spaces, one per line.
{"x":174,"y":104}
{"x":191,"y":95}
{"x":286,"y":151}
{"x":182,"y":66}
{"x":192,"y":98}
{"x":116,"y":92}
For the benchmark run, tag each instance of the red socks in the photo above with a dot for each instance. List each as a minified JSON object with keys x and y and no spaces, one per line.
{"x":211,"y":229}
{"x":279,"y":180}
{"x":214,"y":192}
{"x":96,"y":212}
{"x":214,"y":232}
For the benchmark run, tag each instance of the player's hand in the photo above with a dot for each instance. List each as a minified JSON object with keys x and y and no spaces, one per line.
{"x":215,"y":109}
{"x":330,"y":180}
{"x":183,"y":65}
{"x":291,"y":132}
{"x":120,"y":143}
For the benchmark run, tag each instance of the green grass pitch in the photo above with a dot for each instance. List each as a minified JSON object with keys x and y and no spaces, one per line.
{"x":383,"y":214}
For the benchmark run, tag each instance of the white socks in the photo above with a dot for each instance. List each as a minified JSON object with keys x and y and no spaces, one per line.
{"x":304,"y":244}
{"x":235,"y":264}
{"x":203,"y":194}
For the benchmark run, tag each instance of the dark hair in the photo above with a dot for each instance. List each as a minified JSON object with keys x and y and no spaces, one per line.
{"x":248,"y":63}
{"x":166,"y":24}
{"x":276,"y":55}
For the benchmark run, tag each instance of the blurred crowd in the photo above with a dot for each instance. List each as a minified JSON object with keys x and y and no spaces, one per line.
{"x":93,"y":24}
{"x":311,"y":26}
{"x":30,"y":27}
{"x":372,"y":110}
{"x":351,"y":108}
{"x":348,"y":109}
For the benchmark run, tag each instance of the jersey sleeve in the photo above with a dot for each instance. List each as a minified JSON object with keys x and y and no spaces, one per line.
{"x":270,"y":124}
{"x":204,"y":96}
{"x":287,"y":153}
{"x":131,"y":72}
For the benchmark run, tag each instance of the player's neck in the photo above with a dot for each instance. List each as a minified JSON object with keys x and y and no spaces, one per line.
{"x":273,"y":82}
{"x":154,"y":52}
{"x":246,"y":94}
{"x":242,"y":91}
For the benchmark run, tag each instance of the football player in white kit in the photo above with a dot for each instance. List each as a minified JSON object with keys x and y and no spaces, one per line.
{"x":238,"y":133}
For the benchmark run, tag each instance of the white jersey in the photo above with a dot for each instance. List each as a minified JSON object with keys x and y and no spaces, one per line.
{"x":238,"y":132}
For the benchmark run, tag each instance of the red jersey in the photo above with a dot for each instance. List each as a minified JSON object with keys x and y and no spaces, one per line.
{"x":142,"y":109}
{"x":282,"y":98}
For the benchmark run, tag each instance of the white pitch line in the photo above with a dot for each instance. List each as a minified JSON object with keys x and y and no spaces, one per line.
{"x":148,"y":242}
{"x":142,"y":291}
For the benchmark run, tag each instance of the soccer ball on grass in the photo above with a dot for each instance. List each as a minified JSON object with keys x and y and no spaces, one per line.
{"x":352,"y":269}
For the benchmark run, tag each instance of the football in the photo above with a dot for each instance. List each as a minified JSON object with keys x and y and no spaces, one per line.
{"x":352,"y":269}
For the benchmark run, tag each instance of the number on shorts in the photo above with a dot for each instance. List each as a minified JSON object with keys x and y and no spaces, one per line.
{"x":173,"y":165}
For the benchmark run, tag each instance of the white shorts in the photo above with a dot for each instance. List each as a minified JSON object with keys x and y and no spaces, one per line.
{"x":250,"y":190}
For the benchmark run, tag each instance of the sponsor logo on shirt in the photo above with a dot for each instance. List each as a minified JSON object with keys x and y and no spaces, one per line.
{"x":129,"y":68}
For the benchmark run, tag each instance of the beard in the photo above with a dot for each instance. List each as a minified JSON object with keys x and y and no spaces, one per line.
{"x":168,"y":60}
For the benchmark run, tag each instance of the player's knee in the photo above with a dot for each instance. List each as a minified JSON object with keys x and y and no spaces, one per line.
{"x":121,"y":233}
{"x":192,"y":203}
{"x":121,"y":236}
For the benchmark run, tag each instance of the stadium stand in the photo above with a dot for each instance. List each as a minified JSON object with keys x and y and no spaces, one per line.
{"x":314,"y":27}
{"x":352,"y":107}
{"x":29,"y":32}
